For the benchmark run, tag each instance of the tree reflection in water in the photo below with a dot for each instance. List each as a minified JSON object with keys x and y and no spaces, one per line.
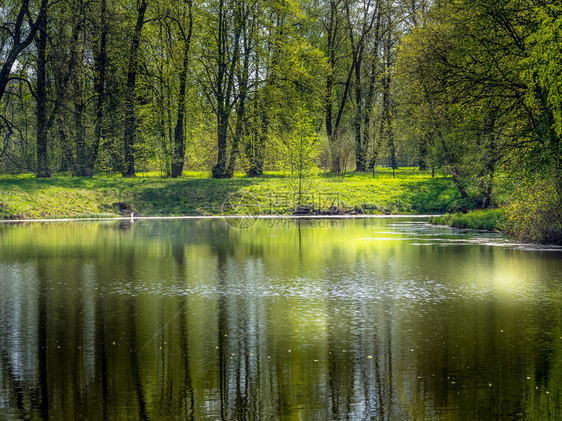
{"x":196,"y":320}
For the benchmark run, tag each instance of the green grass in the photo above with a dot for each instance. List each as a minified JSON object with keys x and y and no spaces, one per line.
{"x":410,"y":192}
{"x":485,"y":219}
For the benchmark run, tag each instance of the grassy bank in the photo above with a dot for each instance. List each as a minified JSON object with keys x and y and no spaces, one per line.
{"x":409,"y":192}
{"x":486,"y":219}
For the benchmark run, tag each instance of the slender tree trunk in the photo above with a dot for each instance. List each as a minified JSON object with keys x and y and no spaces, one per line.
{"x":243,"y":78}
{"x":347,"y":87}
{"x":422,"y":150}
{"x":59,"y":113}
{"x":387,"y":103}
{"x":76,"y":55}
{"x":331,"y":35}
{"x":130,"y":102}
{"x":369,"y":101}
{"x":99,"y":85}
{"x":179,"y":132}
{"x":67,"y":162}
{"x":219,"y":170}
{"x":255,"y":142}
{"x":358,"y":118}
{"x":81,"y":162}
{"x":257,"y":153}
{"x":329,"y":104}
{"x":42,"y":170}
{"x":240,"y":115}
{"x":225,"y":86}
{"x":255,"y":149}
{"x":164,"y":136}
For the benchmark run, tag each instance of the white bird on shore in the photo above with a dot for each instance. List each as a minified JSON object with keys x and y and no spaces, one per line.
{"x":132,"y":217}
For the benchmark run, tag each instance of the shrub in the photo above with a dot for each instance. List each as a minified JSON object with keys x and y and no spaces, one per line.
{"x":536,"y":213}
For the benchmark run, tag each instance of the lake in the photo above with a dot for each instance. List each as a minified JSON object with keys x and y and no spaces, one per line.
{"x":311,"y":319}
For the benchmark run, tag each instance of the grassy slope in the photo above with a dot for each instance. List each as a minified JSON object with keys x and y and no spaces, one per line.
{"x":197,"y":194}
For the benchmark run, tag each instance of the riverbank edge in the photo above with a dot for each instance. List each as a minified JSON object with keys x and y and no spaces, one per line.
{"x":143,"y":218}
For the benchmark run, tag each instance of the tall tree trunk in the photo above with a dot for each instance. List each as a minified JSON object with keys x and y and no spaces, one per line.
{"x":165,"y":135}
{"x":243,"y":78}
{"x":225,"y":85}
{"x":42,"y":170}
{"x":219,"y":170}
{"x":387,"y":102}
{"x":67,"y":161}
{"x":81,"y":162}
{"x":257,"y":148}
{"x":240,"y":115}
{"x":99,"y":85}
{"x":331,"y":36}
{"x":130,"y":100}
{"x":369,"y":101}
{"x":179,"y":132}
{"x":254,"y":145}
{"x":76,"y":55}
{"x":358,"y":117}
{"x":222,"y":116}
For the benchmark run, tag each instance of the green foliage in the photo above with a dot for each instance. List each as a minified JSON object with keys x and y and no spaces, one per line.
{"x":535,"y":214}
{"x":544,"y":67}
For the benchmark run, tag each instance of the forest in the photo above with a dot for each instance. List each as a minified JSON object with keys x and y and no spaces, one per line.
{"x":467,"y":88}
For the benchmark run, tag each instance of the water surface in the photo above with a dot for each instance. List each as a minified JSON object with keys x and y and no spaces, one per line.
{"x":314,"y":320}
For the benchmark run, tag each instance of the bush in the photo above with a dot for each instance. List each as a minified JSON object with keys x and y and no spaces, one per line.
{"x":536,"y":213}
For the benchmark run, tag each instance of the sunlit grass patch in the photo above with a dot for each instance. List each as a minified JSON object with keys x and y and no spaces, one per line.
{"x":195,"y":193}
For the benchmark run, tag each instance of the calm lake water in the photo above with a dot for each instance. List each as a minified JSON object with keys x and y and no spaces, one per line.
{"x":388,"y":319}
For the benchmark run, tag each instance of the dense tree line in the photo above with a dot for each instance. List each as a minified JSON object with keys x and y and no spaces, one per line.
{"x":115,"y":86}
{"x":471,"y":88}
